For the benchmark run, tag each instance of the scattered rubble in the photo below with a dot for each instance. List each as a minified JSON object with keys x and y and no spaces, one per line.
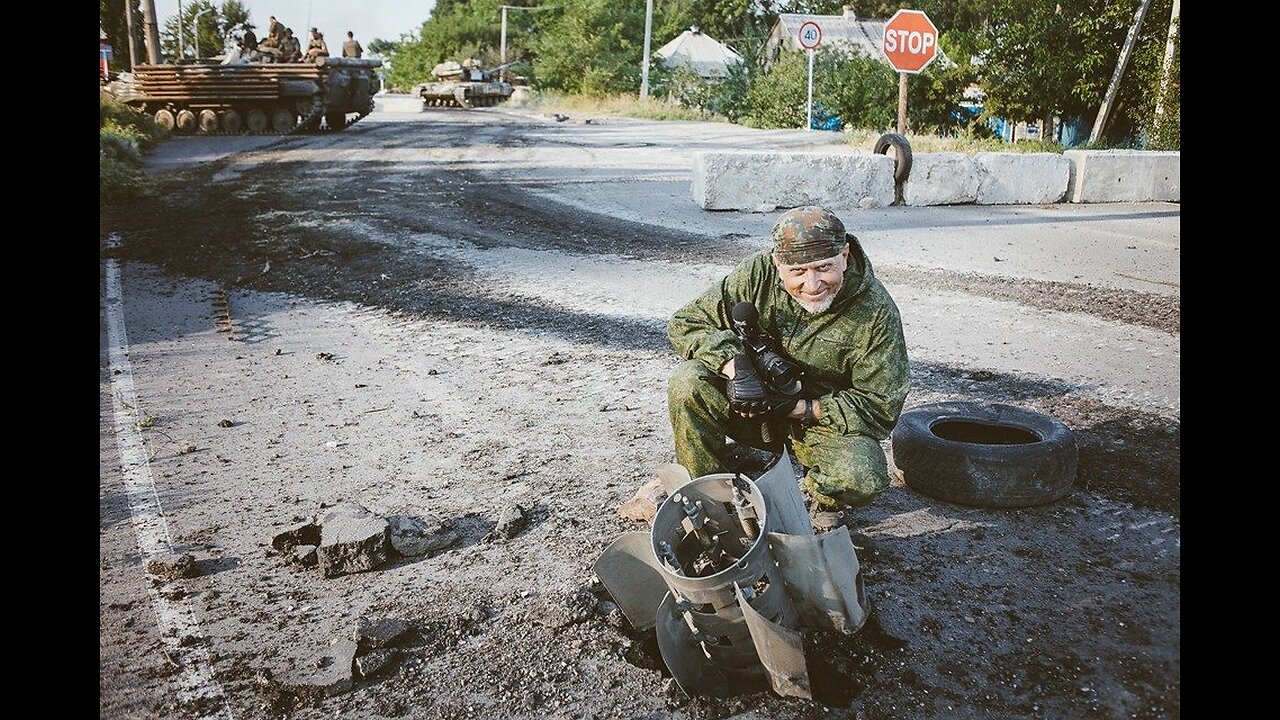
{"x":352,"y":540}
{"x":348,"y":538}
{"x":325,"y":674}
{"x":373,"y":634}
{"x":173,"y":566}
{"x":511,"y":521}
{"x":414,"y":537}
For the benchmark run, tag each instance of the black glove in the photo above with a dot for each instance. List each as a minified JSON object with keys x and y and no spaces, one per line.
{"x":748,"y":394}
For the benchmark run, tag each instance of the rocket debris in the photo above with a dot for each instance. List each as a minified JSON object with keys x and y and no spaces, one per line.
{"x":728,"y":576}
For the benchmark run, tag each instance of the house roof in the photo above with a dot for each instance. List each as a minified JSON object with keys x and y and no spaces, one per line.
{"x":707,"y":56}
{"x":864,"y":36}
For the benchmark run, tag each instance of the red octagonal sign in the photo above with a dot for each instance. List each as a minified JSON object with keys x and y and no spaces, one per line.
{"x":910,"y":41}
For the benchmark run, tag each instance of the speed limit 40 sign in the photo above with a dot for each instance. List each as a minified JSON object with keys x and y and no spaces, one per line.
{"x":810,"y":35}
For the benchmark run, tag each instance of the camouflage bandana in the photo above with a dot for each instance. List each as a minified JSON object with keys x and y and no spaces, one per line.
{"x":807,"y":234}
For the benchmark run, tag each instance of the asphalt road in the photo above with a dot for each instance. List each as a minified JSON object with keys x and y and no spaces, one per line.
{"x":640,"y":171}
{"x":452,"y":311}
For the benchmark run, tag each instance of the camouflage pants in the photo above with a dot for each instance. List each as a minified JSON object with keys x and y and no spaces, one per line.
{"x":840,"y":469}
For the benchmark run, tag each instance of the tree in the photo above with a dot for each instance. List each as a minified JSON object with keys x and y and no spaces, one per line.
{"x":217,"y":28}
{"x":1041,"y":60}
{"x":455,"y":30}
{"x":111,"y":17}
{"x":723,"y":19}
{"x":595,"y":46}
{"x":386,"y":48}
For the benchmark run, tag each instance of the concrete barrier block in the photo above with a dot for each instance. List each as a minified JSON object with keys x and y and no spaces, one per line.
{"x":1022,"y":178}
{"x":1125,"y":176}
{"x":765,"y":181}
{"x":946,"y":178}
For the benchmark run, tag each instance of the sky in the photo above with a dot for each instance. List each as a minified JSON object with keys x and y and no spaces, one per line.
{"x":368,"y":19}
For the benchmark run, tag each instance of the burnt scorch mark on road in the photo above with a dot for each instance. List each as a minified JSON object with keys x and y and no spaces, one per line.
{"x":1155,"y":311}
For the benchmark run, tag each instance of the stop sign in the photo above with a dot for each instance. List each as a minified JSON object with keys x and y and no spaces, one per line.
{"x":910,"y":41}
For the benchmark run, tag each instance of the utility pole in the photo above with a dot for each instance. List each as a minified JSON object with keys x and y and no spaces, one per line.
{"x":151,"y":35}
{"x":1121,"y":63}
{"x":182,"y":44}
{"x":128,"y":28}
{"x":503,"y":72}
{"x":644,"y":61}
{"x":1167,"y":67}
{"x":196,"y":29}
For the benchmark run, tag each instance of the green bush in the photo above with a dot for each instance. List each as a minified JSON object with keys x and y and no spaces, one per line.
{"x":121,"y":180}
{"x":776,"y":98}
{"x":124,"y":134}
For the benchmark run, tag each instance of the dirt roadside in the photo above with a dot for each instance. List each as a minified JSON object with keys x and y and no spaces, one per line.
{"x":428,"y":335}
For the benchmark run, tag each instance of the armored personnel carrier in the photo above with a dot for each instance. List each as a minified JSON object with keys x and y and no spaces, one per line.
{"x":464,"y":85}
{"x":258,"y":98}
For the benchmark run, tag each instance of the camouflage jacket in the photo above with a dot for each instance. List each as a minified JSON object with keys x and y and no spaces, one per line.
{"x":854,"y":354}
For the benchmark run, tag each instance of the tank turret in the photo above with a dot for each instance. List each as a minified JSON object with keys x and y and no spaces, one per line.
{"x":467,"y":84}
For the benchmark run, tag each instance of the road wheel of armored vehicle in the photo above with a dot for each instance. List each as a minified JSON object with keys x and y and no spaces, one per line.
{"x":164,"y":119}
{"x":232,"y":122}
{"x":186,"y":121}
{"x":257,"y":120}
{"x":336,"y":120}
{"x":993,"y":456}
{"x":282,"y":120}
{"x":208,"y":122}
{"x":313,"y":124}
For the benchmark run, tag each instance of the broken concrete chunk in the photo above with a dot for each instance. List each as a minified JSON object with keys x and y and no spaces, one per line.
{"x":172,"y":566}
{"x":370,"y":634}
{"x":644,"y":504}
{"x":412,"y":537}
{"x":325,"y":674}
{"x":376,"y":661}
{"x":511,"y":521}
{"x":352,"y":540}
{"x":307,"y":533}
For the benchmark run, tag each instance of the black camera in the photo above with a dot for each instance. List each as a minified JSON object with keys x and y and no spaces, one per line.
{"x":781,"y":374}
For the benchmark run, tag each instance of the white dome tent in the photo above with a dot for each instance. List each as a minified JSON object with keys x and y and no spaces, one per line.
{"x":709,"y":58}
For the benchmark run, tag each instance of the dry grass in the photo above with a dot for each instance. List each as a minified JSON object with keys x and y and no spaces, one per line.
{"x":616,"y":106}
{"x":866,"y":139}
{"x":655,"y":109}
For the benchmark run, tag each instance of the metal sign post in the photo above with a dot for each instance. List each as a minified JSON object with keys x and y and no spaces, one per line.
{"x":810,"y":37}
{"x":808,"y":125}
{"x":910,"y":44}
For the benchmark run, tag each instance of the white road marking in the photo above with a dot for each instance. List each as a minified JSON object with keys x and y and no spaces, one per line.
{"x":196,"y":687}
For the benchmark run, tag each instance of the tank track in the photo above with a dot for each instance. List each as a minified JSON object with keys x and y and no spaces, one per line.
{"x":313,"y":117}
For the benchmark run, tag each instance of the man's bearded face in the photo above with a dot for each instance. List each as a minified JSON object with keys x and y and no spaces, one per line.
{"x":815,"y":285}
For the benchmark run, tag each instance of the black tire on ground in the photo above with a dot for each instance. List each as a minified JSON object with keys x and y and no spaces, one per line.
{"x":903,"y":148}
{"x":996,"y":456}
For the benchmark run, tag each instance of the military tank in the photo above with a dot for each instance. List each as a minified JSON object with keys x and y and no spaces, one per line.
{"x":257,"y":98}
{"x":464,"y":85}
